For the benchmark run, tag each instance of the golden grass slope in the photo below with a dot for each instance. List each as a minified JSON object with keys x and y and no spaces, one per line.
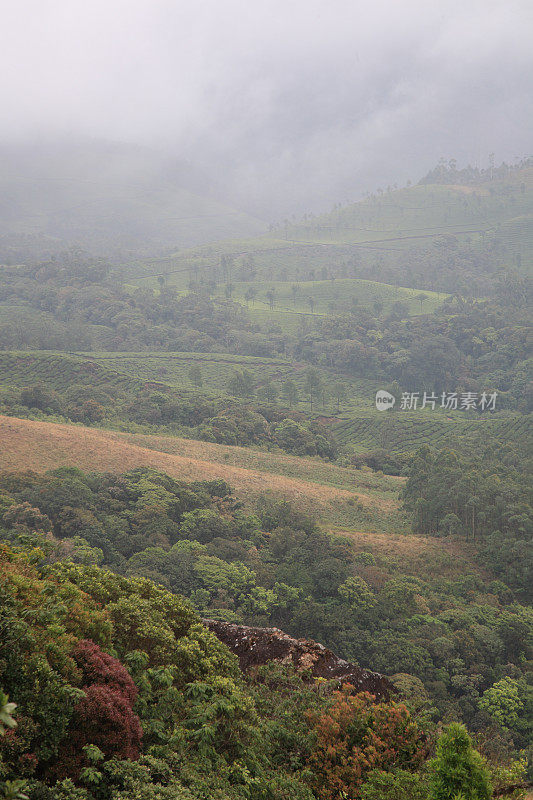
{"x":334,"y":494}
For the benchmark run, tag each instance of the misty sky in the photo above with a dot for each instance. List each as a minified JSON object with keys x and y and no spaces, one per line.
{"x":293,"y":104}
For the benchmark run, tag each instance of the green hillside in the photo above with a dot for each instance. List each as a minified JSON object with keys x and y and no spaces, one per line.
{"x":351,"y":415}
{"x":409,"y":215}
{"x":375,"y":235}
{"x":289,"y":299}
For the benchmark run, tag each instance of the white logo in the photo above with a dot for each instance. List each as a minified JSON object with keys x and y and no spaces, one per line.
{"x":384,"y":400}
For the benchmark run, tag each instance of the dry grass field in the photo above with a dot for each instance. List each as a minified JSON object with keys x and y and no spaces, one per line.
{"x":335,"y":495}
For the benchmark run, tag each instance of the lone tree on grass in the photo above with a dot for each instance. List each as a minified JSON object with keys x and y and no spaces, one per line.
{"x":251,"y":294}
{"x":313,"y":385}
{"x":241,"y":384}
{"x":270,"y":392}
{"x":340,"y":393}
{"x":422,"y":299}
{"x":270,"y":295}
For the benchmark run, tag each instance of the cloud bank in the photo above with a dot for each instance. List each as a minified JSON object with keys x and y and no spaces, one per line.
{"x":290,"y":105}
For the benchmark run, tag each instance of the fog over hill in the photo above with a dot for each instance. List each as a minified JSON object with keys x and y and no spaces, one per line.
{"x":286,"y":107}
{"x":109,"y":198}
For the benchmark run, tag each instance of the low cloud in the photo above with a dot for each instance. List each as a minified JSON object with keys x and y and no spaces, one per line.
{"x":290,"y":105}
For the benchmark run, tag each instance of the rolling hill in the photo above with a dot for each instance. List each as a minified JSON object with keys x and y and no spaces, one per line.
{"x":385,"y":227}
{"x":354,"y":420}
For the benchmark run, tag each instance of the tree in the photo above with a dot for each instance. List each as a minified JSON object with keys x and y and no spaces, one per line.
{"x":195,"y":375}
{"x":290,"y":392}
{"x":503,"y":702}
{"x":357,"y":735}
{"x":339,"y":392}
{"x":270,"y":392}
{"x":433,"y":364}
{"x":241,"y":383}
{"x":457,"y":769}
{"x":313,"y":384}
{"x":357,"y":593}
{"x":39,"y":397}
{"x":397,"y":785}
{"x":421,"y":299}
{"x":105,"y":716}
{"x":6,"y":713}
{"x":295,"y":289}
{"x":251,"y":294}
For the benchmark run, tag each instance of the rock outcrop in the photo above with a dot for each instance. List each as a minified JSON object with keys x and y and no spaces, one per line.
{"x":256,"y":646}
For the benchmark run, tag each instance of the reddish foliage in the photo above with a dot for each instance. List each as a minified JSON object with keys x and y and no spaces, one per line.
{"x":357,"y":735}
{"x":99,"y":667}
{"x":105,"y":716}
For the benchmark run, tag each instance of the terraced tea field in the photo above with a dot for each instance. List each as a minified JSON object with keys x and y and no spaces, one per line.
{"x":59,"y":371}
{"x":404,"y":431}
{"x":173,"y":369}
{"x":357,"y":424}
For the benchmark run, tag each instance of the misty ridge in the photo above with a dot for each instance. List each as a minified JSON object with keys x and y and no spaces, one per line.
{"x":121,"y":201}
{"x":109,"y":199}
{"x":126,"y":126}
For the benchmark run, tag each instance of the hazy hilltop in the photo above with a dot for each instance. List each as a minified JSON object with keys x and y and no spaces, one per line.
{"x":108,"y":198}
{"x":467,"y":205}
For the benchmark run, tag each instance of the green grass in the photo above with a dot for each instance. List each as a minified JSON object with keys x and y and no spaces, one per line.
{"x":308,"y":300}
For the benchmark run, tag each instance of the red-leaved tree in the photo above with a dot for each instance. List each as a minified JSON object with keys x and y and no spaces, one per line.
{"x":105,"y":716}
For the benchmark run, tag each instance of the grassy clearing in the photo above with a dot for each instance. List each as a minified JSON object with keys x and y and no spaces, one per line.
{"x":296,"y":303}
{"x":417,"y":555}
